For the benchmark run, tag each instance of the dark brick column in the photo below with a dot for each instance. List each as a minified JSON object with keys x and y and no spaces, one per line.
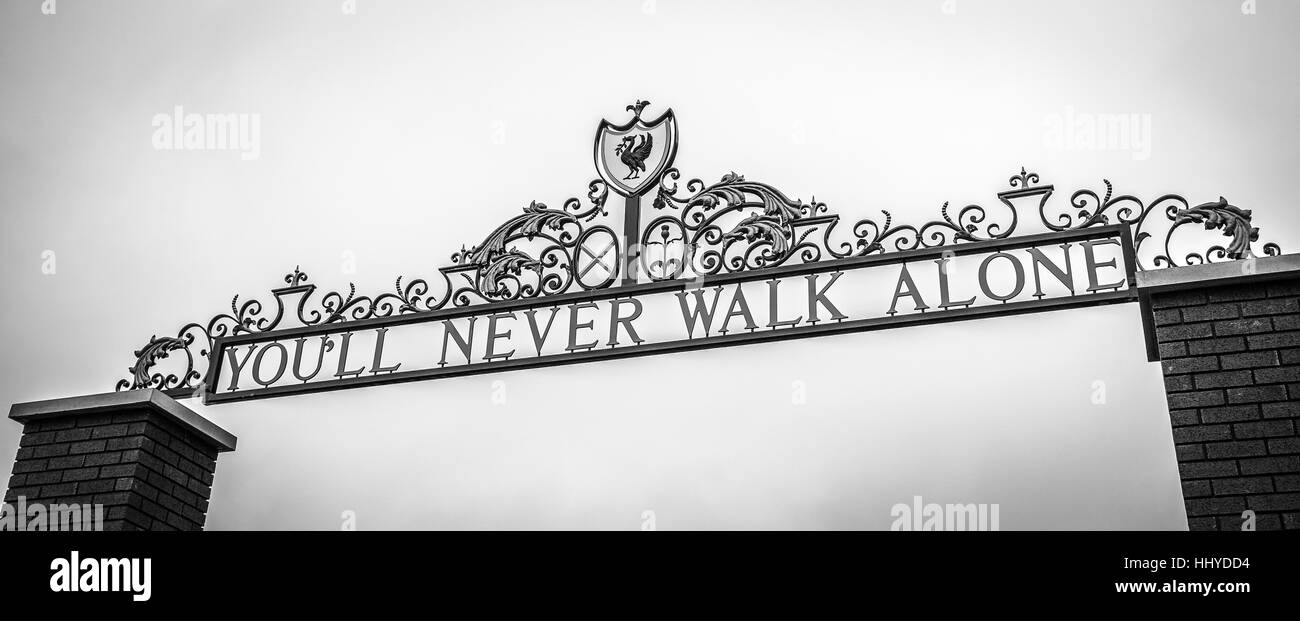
{"x":1228,"y":338}
{"x":145,"y":457}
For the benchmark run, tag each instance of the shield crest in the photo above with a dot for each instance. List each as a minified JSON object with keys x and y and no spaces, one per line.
{"x":631,"y":157}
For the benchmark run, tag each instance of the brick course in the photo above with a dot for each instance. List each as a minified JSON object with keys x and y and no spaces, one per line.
{"x":1231,"y":360}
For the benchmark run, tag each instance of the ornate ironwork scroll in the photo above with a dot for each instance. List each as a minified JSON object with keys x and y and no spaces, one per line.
{"x":736,"y":225}
{"x":532,"y":254}
{"x":696,"y":231}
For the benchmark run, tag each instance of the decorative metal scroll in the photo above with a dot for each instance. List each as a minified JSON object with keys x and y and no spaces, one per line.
{"x":532,"y":254}
{"x":698,"y":231}
{"x":736,"y":225}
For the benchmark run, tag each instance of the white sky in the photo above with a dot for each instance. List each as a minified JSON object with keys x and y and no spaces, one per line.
{"x":381,"y":135}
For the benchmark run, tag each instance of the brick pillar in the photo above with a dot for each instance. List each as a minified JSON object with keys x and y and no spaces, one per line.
{"x":147,"y":459}
{"x":1228,"y":338}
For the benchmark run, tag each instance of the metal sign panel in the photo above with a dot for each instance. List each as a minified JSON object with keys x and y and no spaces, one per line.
{"x":558,"y":285}
{"x":1003,"y":277}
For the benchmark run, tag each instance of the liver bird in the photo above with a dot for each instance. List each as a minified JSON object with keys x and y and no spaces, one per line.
{"x":634,"y":153}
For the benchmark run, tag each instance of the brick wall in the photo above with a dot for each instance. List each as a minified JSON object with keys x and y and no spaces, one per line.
{"x":148,"y":460}
{"x":1231,"y":361}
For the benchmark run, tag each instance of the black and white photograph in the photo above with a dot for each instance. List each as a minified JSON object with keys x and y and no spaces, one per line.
{"x":332,"y":283}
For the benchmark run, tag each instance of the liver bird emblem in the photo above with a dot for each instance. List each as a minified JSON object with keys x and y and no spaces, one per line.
{"x":631,"y":157}
{"x":633,"y":153}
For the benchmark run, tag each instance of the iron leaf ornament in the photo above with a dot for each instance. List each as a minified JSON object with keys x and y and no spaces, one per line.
{"x":1233,"y":221}
{"x":695,"y":230}
{"x":149,"y":355}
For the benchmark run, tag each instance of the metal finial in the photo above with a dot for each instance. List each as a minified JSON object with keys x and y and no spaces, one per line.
{"x":637,"y":107}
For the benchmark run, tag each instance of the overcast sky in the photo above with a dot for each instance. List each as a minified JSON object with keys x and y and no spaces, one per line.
{"x":397,"y":133}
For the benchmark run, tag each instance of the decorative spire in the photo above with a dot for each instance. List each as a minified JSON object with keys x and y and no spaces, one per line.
{"x":296,"y":277}
{"x":1023,"y":179}
{"x":637,"y":107}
